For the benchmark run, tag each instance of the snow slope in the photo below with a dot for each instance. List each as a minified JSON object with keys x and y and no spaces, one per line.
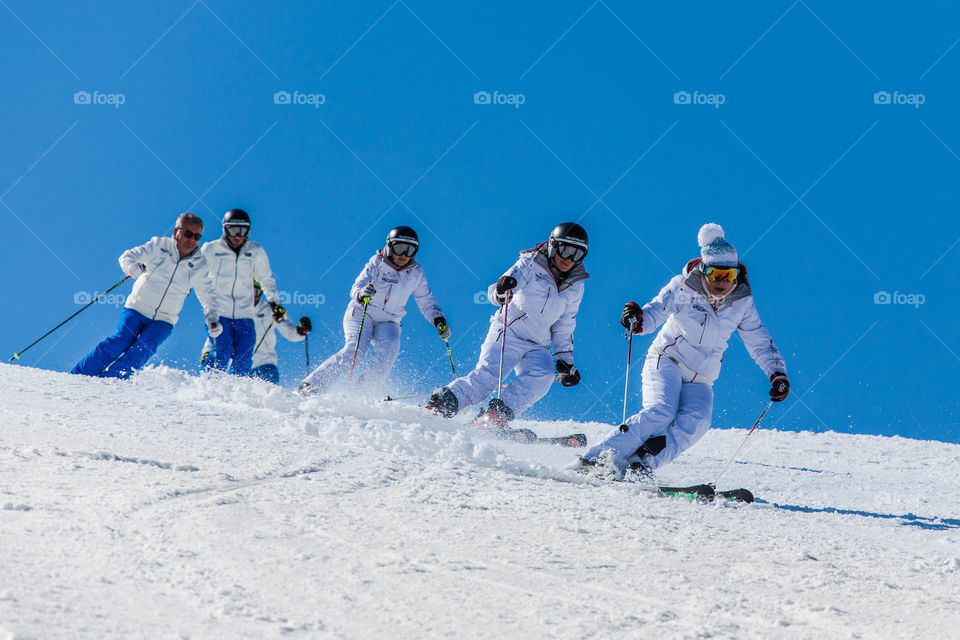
{"x":172,"y":506}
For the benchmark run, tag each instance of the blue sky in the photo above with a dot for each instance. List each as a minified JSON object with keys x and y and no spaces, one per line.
{"x":818,"y":134}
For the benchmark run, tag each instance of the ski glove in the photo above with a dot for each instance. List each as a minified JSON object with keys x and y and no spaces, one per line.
{"x":304,"y":327}
{"x":366,"y":294}
{"x":442,"y":327}
{"x":505,"y":283}
{"x":632,"y":311}
{"x":781,"y":387}
{"x":279,"y":313}
{"x":136,"y":270}
{"x":567,"y":374}
{"x":214,"y":329}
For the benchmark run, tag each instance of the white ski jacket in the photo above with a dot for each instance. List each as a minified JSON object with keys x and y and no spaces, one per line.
{"x":160,"y":290}
{"x":542,"y":310}
{"x":695,"y":334}
{"x":233,"y":274}
{"x":266,"y":353}
{"x":394,"y":288}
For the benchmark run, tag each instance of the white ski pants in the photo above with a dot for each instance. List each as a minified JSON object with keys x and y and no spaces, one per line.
{"x":385,"y":338}
{"x":673,"y":406}
{"x":532,"y":362}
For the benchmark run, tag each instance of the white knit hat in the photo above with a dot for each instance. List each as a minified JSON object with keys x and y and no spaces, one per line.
{"x":714,"y":250}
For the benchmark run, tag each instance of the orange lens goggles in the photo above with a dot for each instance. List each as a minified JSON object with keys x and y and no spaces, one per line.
{"x":721,"y":274}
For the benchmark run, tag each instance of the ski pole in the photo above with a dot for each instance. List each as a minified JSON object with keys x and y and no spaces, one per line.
{"x":733,"y":457}
{"x":450,"y":355}
{"x":416,"y":395}
{"x":626,"y":383}
{"x":270,"y":326}
{"x":17,"y":355}
{"x":503,"y":342}
{"x":363,"y":318}
{"x":306,"y":346}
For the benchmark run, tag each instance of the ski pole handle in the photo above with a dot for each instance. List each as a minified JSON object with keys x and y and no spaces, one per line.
{"x":17,"y":355}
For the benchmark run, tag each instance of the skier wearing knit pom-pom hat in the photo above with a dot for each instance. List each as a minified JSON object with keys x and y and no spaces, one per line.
{"x":699,"y":310}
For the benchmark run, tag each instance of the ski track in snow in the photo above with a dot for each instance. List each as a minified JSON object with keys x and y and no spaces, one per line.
{"x":175,"y":506}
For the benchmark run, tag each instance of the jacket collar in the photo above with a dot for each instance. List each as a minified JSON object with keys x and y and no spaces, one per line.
{"x":390,"y":263}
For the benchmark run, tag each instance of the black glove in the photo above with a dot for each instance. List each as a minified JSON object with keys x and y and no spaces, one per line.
{"x":304,"y":327}
{"x":443,"y":329}
{"x":781,"y":387}
{"x":505,"y":283}
{"x":366,"y":294}
{"x":567,"y":374}
{"x":632,"y":311}
{"x":279,"y":313}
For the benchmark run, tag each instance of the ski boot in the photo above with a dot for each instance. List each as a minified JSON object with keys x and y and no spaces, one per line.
{"x":495,"y":416}
{"x":442,"y":402}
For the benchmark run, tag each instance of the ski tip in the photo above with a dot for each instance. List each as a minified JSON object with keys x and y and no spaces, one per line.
{"x":737,"y":495}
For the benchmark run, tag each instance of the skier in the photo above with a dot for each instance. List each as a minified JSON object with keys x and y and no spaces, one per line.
{"x":699,"y":310}
{"x":165,"y":270}
{"x":235,"y":262}
{"x":265,"y":351}
{"x":539,"y":295}
{"x":378,"y":302}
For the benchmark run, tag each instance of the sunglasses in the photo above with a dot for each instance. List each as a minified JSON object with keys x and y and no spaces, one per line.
{"x":190,"y":235}
{"x":236,"y":231}
{"x":403,"y":249}
{"x":721,"y":274}
{"x":570,"y":252}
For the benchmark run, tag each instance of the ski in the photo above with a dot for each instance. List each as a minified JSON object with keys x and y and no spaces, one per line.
{"x":526,"y":436}
{"x":707,"y":493}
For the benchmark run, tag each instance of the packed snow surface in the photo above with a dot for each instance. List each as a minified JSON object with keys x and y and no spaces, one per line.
{"x":175,"y":506}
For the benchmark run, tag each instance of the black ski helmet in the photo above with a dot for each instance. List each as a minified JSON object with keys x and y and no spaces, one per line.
{"x":236,"y":218}
{"x":570,"y":240}
{"x":406,"y":241}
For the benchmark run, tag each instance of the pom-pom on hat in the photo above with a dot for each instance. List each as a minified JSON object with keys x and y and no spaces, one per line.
{"x":714,"y":249}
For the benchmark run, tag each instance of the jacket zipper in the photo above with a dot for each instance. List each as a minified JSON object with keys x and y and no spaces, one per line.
{"x":704,"y":328}
{"x":233,"y":288}
{"x":159,"y":304}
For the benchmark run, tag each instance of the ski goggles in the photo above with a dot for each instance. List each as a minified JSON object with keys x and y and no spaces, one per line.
{"x":720,"y":274}
{"x":573,"y":252}
{"x":189,"y":235}
{"x":236,"y":230}
{"x":408,"y":249}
